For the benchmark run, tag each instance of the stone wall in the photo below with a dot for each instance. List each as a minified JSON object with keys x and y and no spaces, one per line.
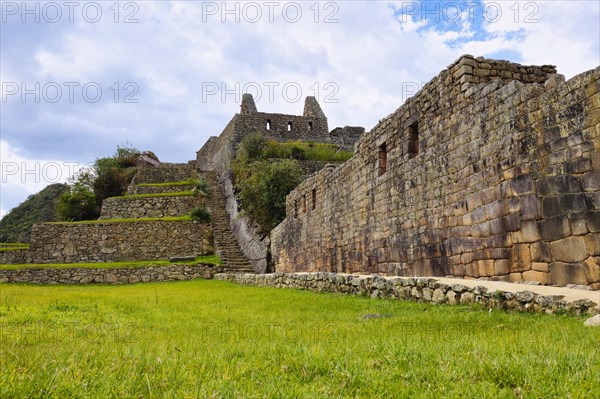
{"x":478,"y":175}
{"x":137,"y":189}
{"x":150,"y":207}
{"x":16,"y":256}
{"x":416,"y":289}
{"x":175,"y":272}
{"x":166,"y":172}
{"x":118,"y":241}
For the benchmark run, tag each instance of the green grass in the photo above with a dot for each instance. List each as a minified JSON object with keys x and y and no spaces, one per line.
{"x":173,"y":194}
{"x":208,"y":259}
{"x":200,"y":339}
{"x":168,"y":184}
{"x":305,"y":151}
{"x":130,"y":220}
{"x":13,"y":246}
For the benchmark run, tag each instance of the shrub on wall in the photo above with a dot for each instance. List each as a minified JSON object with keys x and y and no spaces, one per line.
{"x":263,"y":192}
{"x":201,"y":215}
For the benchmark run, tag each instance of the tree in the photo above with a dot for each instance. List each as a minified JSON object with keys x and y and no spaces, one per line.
{"x":263,"y":193}
{"x":108,"y":177}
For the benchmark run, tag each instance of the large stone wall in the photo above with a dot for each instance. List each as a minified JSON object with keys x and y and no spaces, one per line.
{"x":122,"y":275}
{"x":118,"y":241}
{"x":491,"y":171}
{"x":418,"y":289}
{"x":150,"y":207}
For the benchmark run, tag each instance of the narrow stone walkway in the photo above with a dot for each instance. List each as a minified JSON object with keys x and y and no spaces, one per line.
{"x":226,"y":245}
{"x":570,"y":294}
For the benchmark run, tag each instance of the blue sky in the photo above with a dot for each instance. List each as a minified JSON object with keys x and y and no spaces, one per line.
{"x":79,"y":78}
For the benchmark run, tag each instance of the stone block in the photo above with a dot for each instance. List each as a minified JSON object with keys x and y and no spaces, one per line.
{"x":511,"y":222}
{"x":592,"y":269}
{"x":515,"y":278}
{"x":540,"y":267}
{"x":593,"y":221}
{"x":521,"y":258}
{"x":567,"y":273}
{"x":592,"y":244}
{"x":501,"y":267}
{"x":591,"y":181}
{"x":551,"y":207}
{"x":554,"y":228}
{"x":530,"y":208}
{"x":528,"y":233}
{"x":536,"y":276}
{"x":540,"y":252}
{"x":573,"y":203}
{"x":578,"y":224}
{"x":569,"y":250}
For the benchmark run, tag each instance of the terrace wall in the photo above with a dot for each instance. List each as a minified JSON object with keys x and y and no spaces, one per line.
{"x":118,"y":241}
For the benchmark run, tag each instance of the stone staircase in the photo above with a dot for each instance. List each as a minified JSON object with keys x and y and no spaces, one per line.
{"x":226,"y":245}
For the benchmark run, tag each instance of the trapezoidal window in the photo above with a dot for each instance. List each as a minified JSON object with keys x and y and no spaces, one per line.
{"x":413,"y":140}
{"x":382,"y":159}
{"x":289,"y":126}
{"x":314,"y":199}
{"x":268,"y":124}
{"x":310,"y":126}
{"x":304,"y":203}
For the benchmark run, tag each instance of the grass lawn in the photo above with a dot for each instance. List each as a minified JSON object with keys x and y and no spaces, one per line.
{"x":202,"y":338}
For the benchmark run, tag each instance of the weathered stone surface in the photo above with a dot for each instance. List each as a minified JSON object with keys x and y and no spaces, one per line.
{"x":592,"y":244}
{"x":118,"y":241}
{"x":542,"y":277}
{"x":413,"y":289}
{"x":593,"y":321}
{"x":567,"y":273}
{"x":150,"y":207}
{"x":569,"y":250}
{"x":110,"y":276}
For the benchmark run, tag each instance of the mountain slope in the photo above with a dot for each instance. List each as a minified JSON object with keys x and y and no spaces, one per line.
{"x":40,"y":207}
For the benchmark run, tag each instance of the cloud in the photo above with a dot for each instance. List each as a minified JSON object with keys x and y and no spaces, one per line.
{"x":361,"y":59}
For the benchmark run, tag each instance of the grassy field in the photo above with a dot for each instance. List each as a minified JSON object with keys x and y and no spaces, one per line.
{"x":201,"y":339}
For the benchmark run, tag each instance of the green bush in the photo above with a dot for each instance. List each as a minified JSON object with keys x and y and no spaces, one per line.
{"x":108,"y":177}
{"x":201,"y":215}
{"x":263,"y":193}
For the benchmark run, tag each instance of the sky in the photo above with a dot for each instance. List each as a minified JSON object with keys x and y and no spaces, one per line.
{"x":79,"y":78}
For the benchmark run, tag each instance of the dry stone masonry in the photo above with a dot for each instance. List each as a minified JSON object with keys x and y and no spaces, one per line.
{"x":118,"y":241}
{"x":175,"y":272}
{"x":150,"y":207}
{"x":416,"y":289}
{"x":491,"y":171}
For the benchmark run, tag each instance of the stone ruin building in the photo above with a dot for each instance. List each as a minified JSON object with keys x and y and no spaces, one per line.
{"x":492,"y":171}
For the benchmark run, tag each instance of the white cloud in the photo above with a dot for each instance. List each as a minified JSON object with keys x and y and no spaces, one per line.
{"x":370,"y":54}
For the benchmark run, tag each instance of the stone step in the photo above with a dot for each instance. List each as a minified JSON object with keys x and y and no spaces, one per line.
{"x":225,"y":243}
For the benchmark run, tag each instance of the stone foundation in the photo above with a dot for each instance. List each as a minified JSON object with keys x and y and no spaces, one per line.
{"x":146,"y":274}
{"x":416,"y":289}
